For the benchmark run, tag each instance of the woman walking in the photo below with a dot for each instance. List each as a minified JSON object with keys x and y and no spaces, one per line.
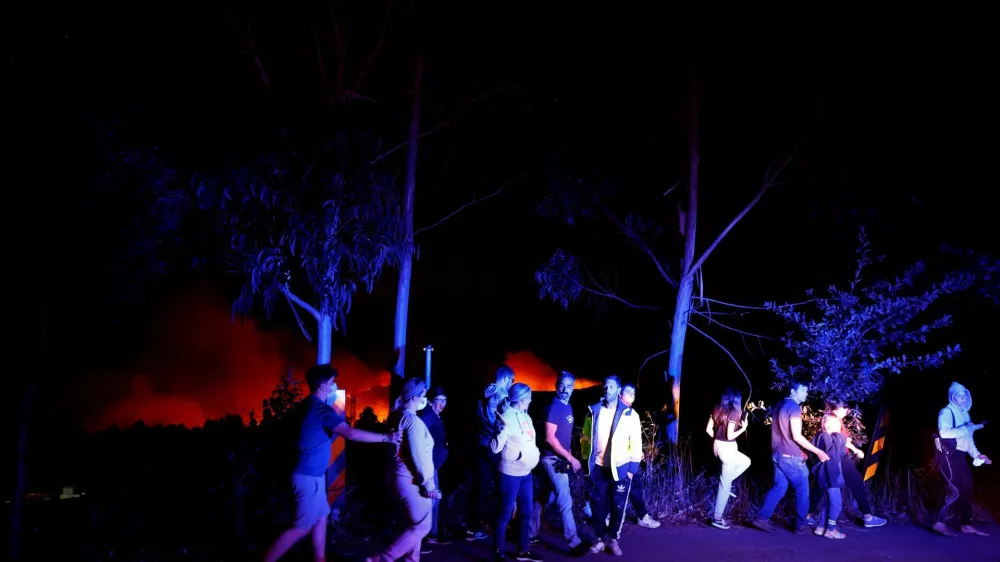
{"x":725,"y":425}
{"x":852,"y":478}
{"x":515,"y":442}
{"x":413,"y":472}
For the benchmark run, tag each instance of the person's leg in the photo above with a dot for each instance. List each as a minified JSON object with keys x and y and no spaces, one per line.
{"x":798,"y":477}
{"x":963,"y":481}
{"x":435,"y":508}
{"x":944,"y":464}
{"x":834,"y":502}
{"x":525,"y":493}
{"x":418,"y":514}
{"x":775,"y":494}
{"x":564,"y":500}
{"x":319,"y":539}
{"x":619,"y":502}
{"x":543,"y":480}
{"x":856,"y":484}
{"x":486,"y":472}
{"x":311,"y":508}
{"x":284,"y":543}
{"x":597,"y":490}
{"x":508,"y":496}
{"x":637,"y":498}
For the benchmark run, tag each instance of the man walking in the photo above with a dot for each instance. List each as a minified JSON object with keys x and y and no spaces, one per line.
{"x":431,"y":417}
{"x":556,"y":457}
{"x":787,"y":445}
{"x":316,"y":423}
{"x":612,"y":443}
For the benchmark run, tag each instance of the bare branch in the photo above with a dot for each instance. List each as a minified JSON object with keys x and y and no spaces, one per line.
{"x":738,"y":331}
{"x":305,"y":306}
{"x":471,"y":203}
{"x":602,"y":292}
{"x":248,"y":43}
{"x":769,"y":181}
{"x":322,"y":69}
{"x":657,"y":354}
{"x":376,"y":49}
{"x":737,"y":363}
{"x":673,"y":187}
{"x":743,"y":306}
{"x":341,"y":55}
{"x":645,"y":248}
{"x":440,"y":126}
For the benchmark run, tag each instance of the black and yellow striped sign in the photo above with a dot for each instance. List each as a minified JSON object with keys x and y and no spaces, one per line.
{"x":877,"y":444}
{"x":336,"y":473}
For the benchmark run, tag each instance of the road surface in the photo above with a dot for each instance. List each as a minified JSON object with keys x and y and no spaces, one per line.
{"x":897,"y":542}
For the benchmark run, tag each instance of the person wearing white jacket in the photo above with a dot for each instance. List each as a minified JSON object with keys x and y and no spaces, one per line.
{"x":514,"y":441}
{"x":612,"y":445}
{"x":954,"y":437}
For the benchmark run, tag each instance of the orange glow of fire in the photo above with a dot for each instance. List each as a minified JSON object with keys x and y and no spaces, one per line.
{"x":200,"y":365}
{"x":539,"y":375}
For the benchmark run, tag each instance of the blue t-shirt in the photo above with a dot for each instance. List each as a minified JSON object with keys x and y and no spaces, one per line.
{"x":315,"y":421}
{"x":562,"y":416}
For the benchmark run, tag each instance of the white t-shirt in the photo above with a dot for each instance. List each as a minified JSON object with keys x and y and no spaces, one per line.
{"x":604,"y":422}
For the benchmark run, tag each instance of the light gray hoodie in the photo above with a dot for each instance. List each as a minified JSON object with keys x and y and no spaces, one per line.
{"x":954,"y":421}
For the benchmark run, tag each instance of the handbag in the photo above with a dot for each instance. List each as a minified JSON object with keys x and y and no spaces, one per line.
{"x":946,"y":445}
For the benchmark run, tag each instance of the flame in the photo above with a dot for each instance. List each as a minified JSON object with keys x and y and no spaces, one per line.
{"x":539,"y":375}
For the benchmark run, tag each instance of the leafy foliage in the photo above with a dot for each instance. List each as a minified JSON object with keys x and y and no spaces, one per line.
{"x":854,"y":336}
{"x":323,"y":228}
{"x":563,"y":278}
{"x":559,"y":279}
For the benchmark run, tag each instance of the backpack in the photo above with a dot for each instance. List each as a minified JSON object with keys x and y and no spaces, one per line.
{"x":943,"y":445}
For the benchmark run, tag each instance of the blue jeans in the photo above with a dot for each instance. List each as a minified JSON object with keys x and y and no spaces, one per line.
{"x":435,"y":508}
{"x":514,"y":490}
{"x":833,"y":504}
{"x":788,"y":470}
{"x":556,"y":484}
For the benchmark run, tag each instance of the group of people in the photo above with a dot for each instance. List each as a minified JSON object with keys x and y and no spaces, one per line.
{"x":512,"y":462}
{"x":512,"y":459}
{"x":835,"y":468}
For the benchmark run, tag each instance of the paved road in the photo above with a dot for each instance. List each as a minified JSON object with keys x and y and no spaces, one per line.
{"x":897,"y":542}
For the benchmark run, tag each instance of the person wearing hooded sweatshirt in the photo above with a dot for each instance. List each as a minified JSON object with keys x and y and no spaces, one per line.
{"x":412,"y":472}
{"x":612,"y":443}
{"x":954,"y":437}
{"x":491,"y":406}
{"x":514,"y":442}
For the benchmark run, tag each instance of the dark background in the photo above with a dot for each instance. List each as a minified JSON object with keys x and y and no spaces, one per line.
{"x":899,"y":141}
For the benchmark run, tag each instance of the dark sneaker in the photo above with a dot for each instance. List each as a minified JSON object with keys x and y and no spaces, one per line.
{"x":499,"y":557}
{"x":875,"y":521}
{"x":471,"y":535}
{"x":762,"y":525}
{"x":528,"y":556}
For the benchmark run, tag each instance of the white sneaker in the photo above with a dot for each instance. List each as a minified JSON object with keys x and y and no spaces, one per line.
{"x":649,"y":523}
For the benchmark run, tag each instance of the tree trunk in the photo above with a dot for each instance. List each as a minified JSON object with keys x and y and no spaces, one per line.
{"x":682,"y":308}
{"x":324,"y":341}
{"x":33,"y":366}
{"x":406,"y":263}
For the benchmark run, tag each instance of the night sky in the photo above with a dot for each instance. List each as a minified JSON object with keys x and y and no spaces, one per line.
{"x":899,"y":141}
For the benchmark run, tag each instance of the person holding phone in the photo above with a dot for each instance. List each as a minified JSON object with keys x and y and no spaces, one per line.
{"x":727,"y":422}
